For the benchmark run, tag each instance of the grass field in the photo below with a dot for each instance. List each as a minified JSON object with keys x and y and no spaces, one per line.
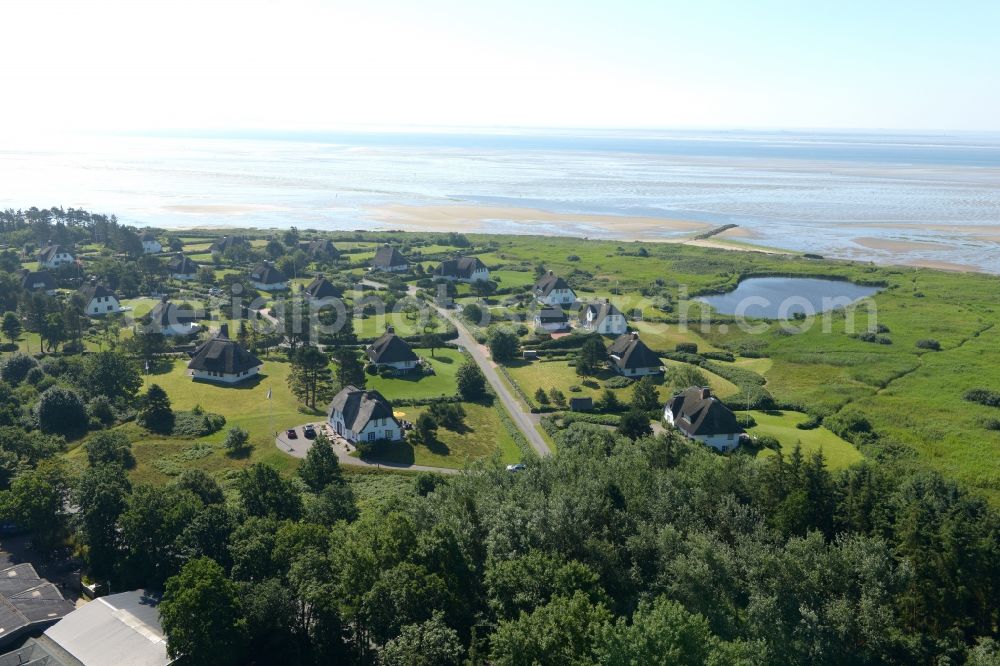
{"x":781,"y":426}
{"x":445,"y":363}
{"x":484,"y":435}
{"x":532,"y":375}
{"x":721,"y":386}
{"x":374,"y":326}
{"x":244,"y":405}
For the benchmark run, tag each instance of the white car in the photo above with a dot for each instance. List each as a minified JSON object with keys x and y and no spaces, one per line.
{"x":516,"y":468}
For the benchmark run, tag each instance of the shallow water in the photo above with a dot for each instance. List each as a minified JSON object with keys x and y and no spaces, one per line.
{"x":811,"y":192}
{"x":782,"y":297}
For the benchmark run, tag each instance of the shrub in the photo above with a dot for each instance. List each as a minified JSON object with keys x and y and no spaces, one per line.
{"x":720,"y":356}
{"x":590,"y":383}
{"x":573,"y":257}
{"x":746,"y":420}
{"x":450,"y":415}
{"x":810,"y":423}
{"x":929,"y":343}
{"x":371,"y":368}
{"x":687,"y":347}
{"x":35,"y":376}
{"x":197,"y":423}
{"x":573,"y":388}
{"x":237,"y":439}
{"x":767,"y":442}
{"x":848,"y":424}
{"x":16,"y":367}
{"x":983,"y":397}
{"x":109,"y":448}
{"x":100,"y":410}
{"x":541,"y":397}
{"x":873,"y":337}
{"x":991,"y":424}
{"x":618,"y":382}
{"x":154,"y":410}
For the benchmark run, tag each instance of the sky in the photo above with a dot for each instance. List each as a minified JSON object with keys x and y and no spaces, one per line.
{"x":105,"y":65}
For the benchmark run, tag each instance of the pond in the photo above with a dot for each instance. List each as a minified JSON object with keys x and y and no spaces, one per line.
{"x":783,"y":297}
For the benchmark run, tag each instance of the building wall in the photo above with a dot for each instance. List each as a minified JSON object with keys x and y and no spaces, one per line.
{"x":276,"y":286}
{"x":559,"y":297}
{"x":637,"y":372}
{"x":58,"y":260}
{"x":206,"y":376}
{"x":613,"y":325}
{"x":402,"y":365}
{"x":389,"y":430}
{"x":725,"y":442}
{"x":151,"y":247}
{"x":551,"y":327}
{"x":102,"y":306}
{"x":182,"y":276}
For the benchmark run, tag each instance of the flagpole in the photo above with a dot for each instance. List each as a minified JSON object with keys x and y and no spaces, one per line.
{"x":270,"y":413}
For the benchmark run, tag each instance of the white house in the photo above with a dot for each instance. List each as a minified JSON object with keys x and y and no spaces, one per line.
{"x":268,"y":278}
{"x":358,"y":415}
{"x":632,"y":358}
{"x":700,"y":416}
{"x":553,"y":290}
{"x":223,"y":361}
{"x":551,"y":319}
{"x":168,"y":319}
{"x":392,"y":351}
{"x":603,"y":318}
{"x":98,"y":300}
{"x":55,"y":256}
{"x":182,"y":268}
{"x":462,"y":269}
{"x":389,"y":260}
{"x":150,"y":245}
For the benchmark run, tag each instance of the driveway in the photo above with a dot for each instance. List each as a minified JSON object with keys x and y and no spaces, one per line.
{"x":523,"y":419}
{"x":299,"y":447}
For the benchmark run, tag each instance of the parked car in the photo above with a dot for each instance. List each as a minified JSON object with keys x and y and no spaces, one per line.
{"x":309,"y":432}
{"x":291,"y":434}
{"x":516,"y":468}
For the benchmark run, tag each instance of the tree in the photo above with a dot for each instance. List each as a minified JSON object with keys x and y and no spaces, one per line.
{"x":592,"y":356}
{"x":109,"y":448}
{"x":609,"y":402}
{"x":471,"y":381}
{"x":660,"y":633}
{"x":200,"y":615}
{"x":645,"y":397}
{"x":680,"y":377}
{"x":557,"y":397}
{"x":567,"y":630}
{"x":473,"y":314}
{"x":202,"y":485}
{"x":430,"y":643}
{"x":53,"y":331}
{"x":634,"y":424}
{"x":147,"y":345}
{"x":431,"y":341}
{"x":37,"y":502}
{"x":264,"y":492}
{"x":155,"y":412}
{"x":112,"y":375}
{"x":503,"y":343}
{"x":541,"y":397}
{"x":349,"y":370}
{"x":11,"y":326}
{"x":310,"y":379}
{"x":237,"y":439}
{"x":61,"y":411}
{"x":484,"y":288}
{"x":450,"y":415}
{"x":101,"y":493}
{"x":320,"y":467}
{"x":425,"y":429}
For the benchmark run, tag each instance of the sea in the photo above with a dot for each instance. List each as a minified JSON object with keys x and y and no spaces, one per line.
{"x":890,"y":197}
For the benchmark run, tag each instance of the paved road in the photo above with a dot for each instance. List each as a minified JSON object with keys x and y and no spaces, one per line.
{"x":298,"y":448}
{"x":522,"y":417}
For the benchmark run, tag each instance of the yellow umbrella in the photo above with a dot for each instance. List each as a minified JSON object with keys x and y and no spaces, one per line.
{"x":399,"y":415}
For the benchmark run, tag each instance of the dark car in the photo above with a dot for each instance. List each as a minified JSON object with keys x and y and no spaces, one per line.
{"x":309,"y":432}
{"x":291,"y":434}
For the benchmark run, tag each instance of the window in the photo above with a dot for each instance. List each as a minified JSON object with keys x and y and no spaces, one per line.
{"x":388,"y":434}
{"x":371,"y":437}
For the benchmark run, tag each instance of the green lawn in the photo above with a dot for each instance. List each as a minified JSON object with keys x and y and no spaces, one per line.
{"x":665,"y":337}
{"x":374,"y":326}
{"x":445,"y":363}
{"x":244,"y":405}
{"x":532,"y":375}
{"x":781,"y":426}
{"x":484,"y":435}
{"x":721,"y":386}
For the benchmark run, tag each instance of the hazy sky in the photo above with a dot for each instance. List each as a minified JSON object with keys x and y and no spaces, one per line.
{"x":311,"y":64}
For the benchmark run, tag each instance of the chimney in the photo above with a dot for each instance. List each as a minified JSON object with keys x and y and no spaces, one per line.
{"x":608,"y":301}
{"x":551,"y":273}
{"x":164,"y":298}
{"x":390,"y":329}
{"x":706,"y":392}
{"x":635,"y":335}
{"x":224,"y":331}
